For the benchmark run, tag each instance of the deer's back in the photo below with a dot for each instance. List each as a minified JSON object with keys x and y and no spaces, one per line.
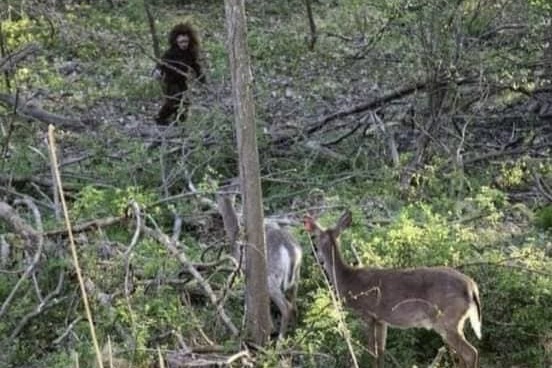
{"x":283,"y":256}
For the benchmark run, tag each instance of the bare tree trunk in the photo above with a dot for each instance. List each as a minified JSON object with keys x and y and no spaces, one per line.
{"x":545,"y":99}
{"x":2,"y":55}
{"x":547,"y":54}
{"x":258,"y":321}
{"x":312,"y":25}
{"x":153,"y":31}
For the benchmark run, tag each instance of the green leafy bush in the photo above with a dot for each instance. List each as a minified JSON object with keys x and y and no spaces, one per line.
{"x":517,"y":307}
{"x":544,"y":218}
{"x":93,"y":202}
{"x":418,"y":237}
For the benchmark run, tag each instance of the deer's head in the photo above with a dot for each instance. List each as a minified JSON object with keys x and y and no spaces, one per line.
{"x":326,"y":240}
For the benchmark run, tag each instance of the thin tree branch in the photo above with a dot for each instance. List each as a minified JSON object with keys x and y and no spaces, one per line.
{"x":153,"y":31}
{"x":49,"y":301}
{"x":171,"y":245}
{"x":377,"y":102}
{"x":88,"y":225}
{"x":542,"y":187}
{"x":67,"y":330}
{"x":34,"y":112}
{"x":312,"y":24}
{"x":10,"y":61}
{"x":33,"y":239}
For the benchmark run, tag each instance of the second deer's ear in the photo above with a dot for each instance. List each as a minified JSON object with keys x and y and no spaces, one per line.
{"x":308,"y":223}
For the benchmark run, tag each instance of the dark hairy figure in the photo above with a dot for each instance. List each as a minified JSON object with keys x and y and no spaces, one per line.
{"x":176,"y":66}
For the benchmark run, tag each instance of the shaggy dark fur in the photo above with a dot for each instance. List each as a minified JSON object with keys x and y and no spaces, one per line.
{"x":176,"y":67}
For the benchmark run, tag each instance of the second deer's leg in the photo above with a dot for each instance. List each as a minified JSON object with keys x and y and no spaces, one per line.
{"x":285,"y":308}
{"x":292,"y":293}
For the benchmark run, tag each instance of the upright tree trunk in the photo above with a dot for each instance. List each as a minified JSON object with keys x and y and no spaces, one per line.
{"x":258,"y":322}
{"x":545,"y":99}
{"x":547,"y":54}
{"x":312,"y":25}
{"x":153,"y":31}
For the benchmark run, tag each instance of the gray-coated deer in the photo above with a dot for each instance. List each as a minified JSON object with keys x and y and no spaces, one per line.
{"x":284,"y":256}
{"x":438,"y":298}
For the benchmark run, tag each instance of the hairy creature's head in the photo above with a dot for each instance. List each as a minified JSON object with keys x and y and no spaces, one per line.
{"x":188,"y":30}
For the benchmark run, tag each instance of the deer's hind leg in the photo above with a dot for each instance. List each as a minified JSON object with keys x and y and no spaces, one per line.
{"x":284,"y":306}
{"x":467,"y":355}
{"x":450,"y":326}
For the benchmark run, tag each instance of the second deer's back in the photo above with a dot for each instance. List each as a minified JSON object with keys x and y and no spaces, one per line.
{"x":284,"y":256}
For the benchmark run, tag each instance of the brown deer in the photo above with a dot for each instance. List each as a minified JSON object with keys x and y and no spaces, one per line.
{"x":438,"y":298}
{"x":284,"y":255}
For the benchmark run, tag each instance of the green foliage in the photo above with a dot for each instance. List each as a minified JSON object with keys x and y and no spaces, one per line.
{"x":19,"y":29}
{"x":323,"y":331}
{"x":267,"y":47}
{"x":419,"y":236}
{"x":542,"y":5}
{"x":513,"y":174}
{"x":218,"y":59}
{"x":490,"y":201}
{"x":517,"y":306}
{"x":94,"y":202}
{"x":544,"y":218}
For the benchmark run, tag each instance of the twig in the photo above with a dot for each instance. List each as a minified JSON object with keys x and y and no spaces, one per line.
{"x":55,"y":192}
{"x":12,"y":180}
{"x":325,"y":151}
{"x":10,"y":61}
{"x":160,"y":358}
{"x":84,"y":296}
{"x":109,"y":351}
{"x":345,"y":135}
{"x":67,"y":330}
{"x":177,"y":227}
{"x":337,"y":305}
{"x":136,"y":212}
{"x":32,"y":237}
{"x":5,"y":249}
{"x":388,"y":134}
{"x":36,"y":287}
{"x":85,"y":226}
{"x":49,"y":301}
{"x":542,"y":187}
{"x":128,"y":253}
{"x":231,"y":359}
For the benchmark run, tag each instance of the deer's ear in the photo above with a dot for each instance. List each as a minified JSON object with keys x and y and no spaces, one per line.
{"x":309,"y":224}
{"x":344,"y":221}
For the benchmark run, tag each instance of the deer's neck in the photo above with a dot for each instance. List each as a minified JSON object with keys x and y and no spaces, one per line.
{"x":336,"y":269}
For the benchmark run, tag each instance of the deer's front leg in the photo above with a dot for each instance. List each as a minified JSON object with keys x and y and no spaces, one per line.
{"x":380,"y":329}
{"x":371,"y":336}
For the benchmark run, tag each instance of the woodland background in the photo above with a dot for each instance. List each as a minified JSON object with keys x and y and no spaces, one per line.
{"x":430,"y":119}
